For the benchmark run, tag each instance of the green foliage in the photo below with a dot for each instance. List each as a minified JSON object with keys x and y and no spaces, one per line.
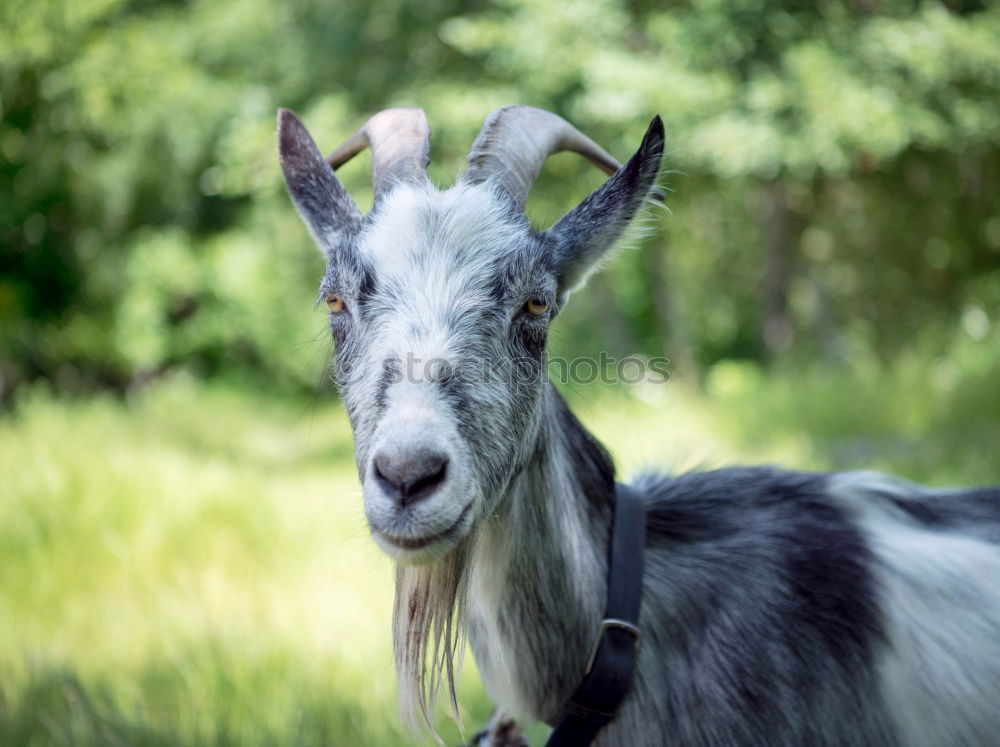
{"x":144,"y":221}
{"x":930,"y":418}
{"x":833,"y":188}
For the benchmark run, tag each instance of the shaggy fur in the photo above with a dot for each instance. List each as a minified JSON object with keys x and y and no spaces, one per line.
{"x":779,"y":608}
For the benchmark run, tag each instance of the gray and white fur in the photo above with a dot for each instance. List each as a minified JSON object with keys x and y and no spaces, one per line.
{"x":779,"y":608}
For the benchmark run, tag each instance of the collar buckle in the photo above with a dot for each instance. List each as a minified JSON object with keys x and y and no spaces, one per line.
{"x":607,"y":624}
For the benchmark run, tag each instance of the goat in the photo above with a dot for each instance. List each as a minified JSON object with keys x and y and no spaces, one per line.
{"x":779,"y":608}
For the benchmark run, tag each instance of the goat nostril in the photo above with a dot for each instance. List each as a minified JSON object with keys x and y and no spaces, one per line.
{"x":410,"y":477}
{"x":430,"y":479}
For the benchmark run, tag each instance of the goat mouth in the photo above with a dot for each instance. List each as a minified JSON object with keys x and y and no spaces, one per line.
{"x":417,"y":543}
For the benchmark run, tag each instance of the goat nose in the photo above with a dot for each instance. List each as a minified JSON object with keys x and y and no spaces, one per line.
{"x":410,"y":476}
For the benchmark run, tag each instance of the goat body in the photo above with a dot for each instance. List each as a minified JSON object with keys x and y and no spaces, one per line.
{"x":779,"y":608}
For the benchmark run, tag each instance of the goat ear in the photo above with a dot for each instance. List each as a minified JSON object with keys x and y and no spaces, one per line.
{"x":578,"y":240}
{"x":327,"y":210}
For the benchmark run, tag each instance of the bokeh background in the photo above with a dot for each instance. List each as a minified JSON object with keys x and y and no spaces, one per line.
{"x":183,"y":557}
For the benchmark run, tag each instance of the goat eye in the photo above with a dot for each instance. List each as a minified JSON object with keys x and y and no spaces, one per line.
{"x":334,"y":303}
{"x":537,"y":306}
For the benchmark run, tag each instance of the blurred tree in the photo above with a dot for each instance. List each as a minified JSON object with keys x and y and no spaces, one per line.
{"x":795,"y":114}
{"x":142,"y":210}
{"x":836,"y":168}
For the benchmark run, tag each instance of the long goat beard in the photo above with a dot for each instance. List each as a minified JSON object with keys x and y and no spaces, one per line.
{"x":428,"y":632}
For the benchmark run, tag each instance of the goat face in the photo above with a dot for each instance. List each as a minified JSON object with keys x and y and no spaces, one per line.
{"x":439,"y":309}
{"x":439,"y":359}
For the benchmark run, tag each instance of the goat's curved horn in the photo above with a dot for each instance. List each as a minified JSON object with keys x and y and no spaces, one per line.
{"x":516,"y":140}
{"x":400,"y":143}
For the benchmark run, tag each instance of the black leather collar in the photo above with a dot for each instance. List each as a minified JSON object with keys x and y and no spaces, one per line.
{"x":613,"y":661}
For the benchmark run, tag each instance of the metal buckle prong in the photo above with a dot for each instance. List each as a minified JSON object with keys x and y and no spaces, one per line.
{"x":607,"y":623}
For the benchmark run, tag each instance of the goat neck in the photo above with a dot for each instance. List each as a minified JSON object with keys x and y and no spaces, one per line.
{"x":538,"y":577}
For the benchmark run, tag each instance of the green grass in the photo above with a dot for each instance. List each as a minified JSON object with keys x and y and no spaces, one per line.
{"x":191,"y":567}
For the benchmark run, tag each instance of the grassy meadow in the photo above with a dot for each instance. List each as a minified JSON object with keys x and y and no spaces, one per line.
{"x":191,"y":567}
